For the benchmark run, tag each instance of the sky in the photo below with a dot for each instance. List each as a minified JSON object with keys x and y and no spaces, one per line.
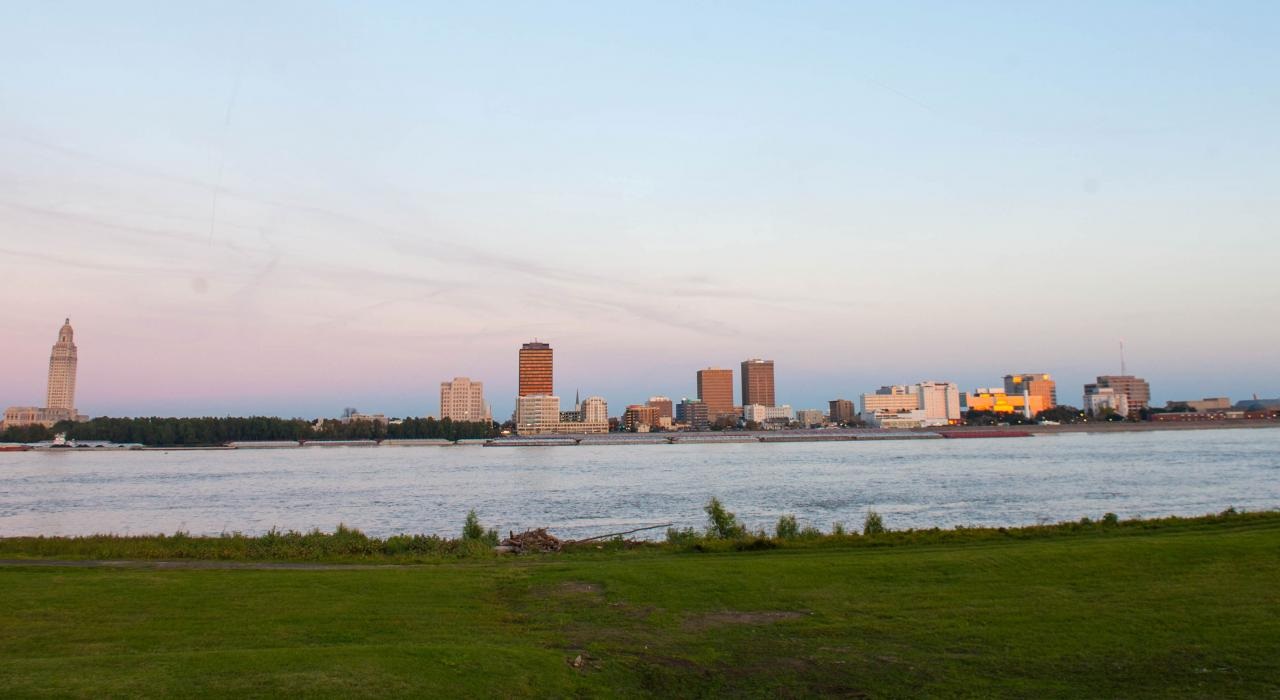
{"x":288,"y":208}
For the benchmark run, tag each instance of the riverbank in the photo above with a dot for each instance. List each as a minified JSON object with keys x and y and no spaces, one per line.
{"x":1183,"y":610}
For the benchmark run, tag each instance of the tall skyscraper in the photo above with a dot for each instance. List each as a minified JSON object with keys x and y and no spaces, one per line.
{"x":536,"y":369}
{"x":462,"y":400}
{"x":757,"y":382}
{"x":715,"y":389}
{"x":60,"y":397}
{"x":1034,"y":385}
{"x":62,"y":373}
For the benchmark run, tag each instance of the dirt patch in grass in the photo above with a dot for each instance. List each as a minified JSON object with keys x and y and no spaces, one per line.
{"x":737,"y":617}
{"x":582,"y":588}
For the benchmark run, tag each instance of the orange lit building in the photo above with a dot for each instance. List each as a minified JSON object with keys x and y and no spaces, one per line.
{"x":997,"y":401}
{"x":1041,"y":385}
{"x":715,"y":389}
{"x":535,"y":369}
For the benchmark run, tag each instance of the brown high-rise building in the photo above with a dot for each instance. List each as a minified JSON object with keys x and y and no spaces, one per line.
{"x":841,"y":410}
{"x":664,"y":406}
{"x":757,"y":383}
{"x":535,"y":369}
{"x":715,"y":389}
{"x":1135,"y":389}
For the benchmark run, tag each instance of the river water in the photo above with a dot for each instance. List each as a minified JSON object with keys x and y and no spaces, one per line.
{"x":581,"y":491}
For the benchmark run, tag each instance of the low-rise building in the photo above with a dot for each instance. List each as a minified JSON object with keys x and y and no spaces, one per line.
{"x":1136,"y":390}
{"x":1102,"y":399}
{"x":995,"y":400}
{"x":639,"y":418}
{"x":842,"y":410}
{"x":1219,"y":403}
{"x":762,"y":414}
{"x":939,"y":403}
{"x":811,"y":417}
{"x":539,"y":414}
{"x":693,"y":413}
{"x":913,"y":418}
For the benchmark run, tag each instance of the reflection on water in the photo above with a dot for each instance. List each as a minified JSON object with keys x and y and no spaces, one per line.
{"x":578,"y":491}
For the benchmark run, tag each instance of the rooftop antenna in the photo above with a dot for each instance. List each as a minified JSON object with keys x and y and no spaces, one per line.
{"x":1122,"y":373}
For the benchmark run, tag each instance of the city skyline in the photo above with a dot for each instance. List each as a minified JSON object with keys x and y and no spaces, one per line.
{"x":535,"y":369}
{"x":285,"y":216}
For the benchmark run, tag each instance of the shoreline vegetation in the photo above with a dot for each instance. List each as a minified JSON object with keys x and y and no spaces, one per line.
{"x":723,"y":533}
{"x":162,"y":434}
{"x":1167,"y":607}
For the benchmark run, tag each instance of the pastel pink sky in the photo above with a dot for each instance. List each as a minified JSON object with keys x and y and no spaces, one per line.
{"x":345,"y":207}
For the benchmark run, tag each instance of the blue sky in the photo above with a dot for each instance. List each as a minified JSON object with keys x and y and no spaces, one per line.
{"x":293,"y":207}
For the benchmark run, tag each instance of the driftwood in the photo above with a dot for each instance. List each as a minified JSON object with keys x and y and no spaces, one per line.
{"x":530,"y":541}
{"x":619,"y":534}
{"x":540,"y":540}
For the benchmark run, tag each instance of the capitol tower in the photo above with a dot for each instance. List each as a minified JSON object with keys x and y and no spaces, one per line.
{"x":61,"y":398}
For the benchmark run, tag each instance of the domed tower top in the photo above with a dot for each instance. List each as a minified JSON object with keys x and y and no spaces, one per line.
{"x":66,"y":334}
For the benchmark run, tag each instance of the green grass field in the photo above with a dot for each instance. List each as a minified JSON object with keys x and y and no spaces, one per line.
{"x":1189,"y":609}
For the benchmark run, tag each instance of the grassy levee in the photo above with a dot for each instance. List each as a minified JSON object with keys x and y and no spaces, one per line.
{"x":1189,"y":610}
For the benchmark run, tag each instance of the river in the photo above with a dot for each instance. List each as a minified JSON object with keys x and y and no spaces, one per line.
{"x":588,"y":490}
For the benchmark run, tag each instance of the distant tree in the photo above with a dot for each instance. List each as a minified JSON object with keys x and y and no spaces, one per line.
{"x":874,"y":524}
{"x":721,"y":523}
{"x":788,"y":528}
{"x":1061,"y":414}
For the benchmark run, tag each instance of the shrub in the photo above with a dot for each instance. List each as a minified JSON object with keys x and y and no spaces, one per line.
{"x":874,"y":524}
{"x":682,"y":537}
{"x":1110,"y":519}
{"x":837,"y":529}
{"x":787,"y":528}
{"x":754,"y":544}
{"x":473,"y":531}
{"x":809,"y":532}
{"x":721,"y":523}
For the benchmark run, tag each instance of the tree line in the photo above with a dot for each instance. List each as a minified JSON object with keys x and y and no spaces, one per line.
{"x":209,"y":431}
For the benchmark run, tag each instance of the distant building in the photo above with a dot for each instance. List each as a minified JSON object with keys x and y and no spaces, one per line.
{"x":1220,"y":403}
{"x":536,"y":369}
{"x":462,"y":400}
{"x":899,"y":420}
{"x":1033,"y":385}
{"x":666,"y":409}
{"x":757,"y":383}
{"x":640,"y":418}
{"x":1100,"y":399}
{"x":60,"y":394}
{"x":759,"y":413}
{"x":937,"y":402}
{"x":537,"y":414}
{"x":354,"y":416}
{"x":1136,"y":390}
{"x":715,"y":389}
{"x":940,"y":402}
{"x":890,"y":399}
{"x":842,"y":410}
{"x":811,"y":417}
{"x":595,"y":411}
{"x":540,"y":415}
{"x":995,"y":400}
{"x":693,"y":413}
